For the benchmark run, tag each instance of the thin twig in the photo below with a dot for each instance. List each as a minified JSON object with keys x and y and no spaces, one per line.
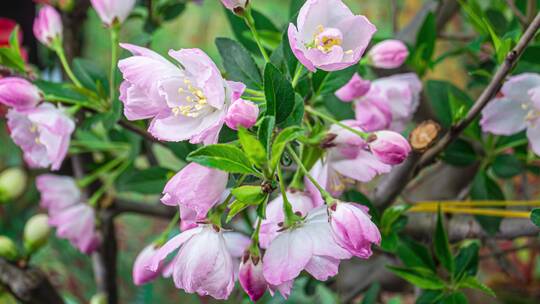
{"x":522,"y":18}
{"x":141,"y":132}
{"x":157,"y":210}
{"x":396,"y":9}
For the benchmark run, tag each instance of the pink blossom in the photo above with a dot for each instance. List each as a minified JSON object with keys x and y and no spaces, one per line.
{"x":195,"y":189}
{"x":355,"y":88}
{"x":57,"y":192}
{"x":111,"y":11}
{"x":374,"y":113}
{"x":77,"y":224}
{"x":252,"y":279}
{"x":308,"y":246}
{"x":390,"y":147}
{"x":242,"y":113}
{"x":518,"y":109}
{"x":388,"y":54}
{"x":141,"y":274}
{"x":323,"y":38}
{"x":43,"y":133}
{"x":18,"y":93}
{"x":48,"y":25}
{"x":204,"y":263}
{"x":234,"y":5}
{"x":353,"y":229}
{"x":185,"y":103}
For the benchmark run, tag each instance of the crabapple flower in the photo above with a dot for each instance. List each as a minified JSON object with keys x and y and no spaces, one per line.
{"x":346,"y":161}
{"x":77,"y":224}
{"x":390,"y":103}
{"x":388,"y":54}
{"x":355,"y":88}
{"x":308,"y":245}
{"x":204,"y":263}
{"x":390,"y":147}
{"x":516,"y":110}
{"x":252,"y":279}
{"x":242,"y":113}
{"x":235,"y":5}
{"x":57,"y":192}
{"x":19,"y":93}
{"x":195,"y":189}
{"x":111,"y":11}
{"x":353,"y":229}
{"x":187,"y":102}
{"x":141,"y":274}
{"x":48,"y":26}
{"x":43,"y":133}
{"x":323,"y":39}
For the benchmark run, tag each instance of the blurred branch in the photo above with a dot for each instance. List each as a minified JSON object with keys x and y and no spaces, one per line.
{"x":456,"y":37}
{"x":29,"y":284}
{"x":157,"y":210}
{"x":515,"y":10}
{"x":104,"y":261}
{"x":395,"y":15}
{"x":141,"y":132}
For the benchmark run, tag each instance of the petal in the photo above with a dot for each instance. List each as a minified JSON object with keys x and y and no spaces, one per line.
{"x":236,"y":243}
{"x":322,"y":268}
{"x":517,"y":87}
{"x":363,"y":168}
{"x":503,"y":116}
{"x":533,"y":134}
{"x":297,"y":49}
{"x":171,"y":246}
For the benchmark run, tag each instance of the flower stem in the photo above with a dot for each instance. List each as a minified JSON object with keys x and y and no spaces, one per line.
{"x":254,"y":92}
{"x":87,"y":180}
{"x":114,"y":58}
{"x":290,"y":217}
{"x":297,"y":74}
{"x":250,"y":22}
{"x":332,"y":120}
{"x":59,"y":49}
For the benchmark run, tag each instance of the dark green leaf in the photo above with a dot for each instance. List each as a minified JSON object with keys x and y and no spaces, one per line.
{"x":238,"y":63}
{"x":507,"y":166}
{"x":224,"y":157}
{"x":472,"y":282}
{"x":429,"y":297}
{"x":325,"y":83}
{"x":460,"y":153}
{"x":455,"y":298}
{"x":253,"y":147}
{"x":535,"y":216}
{"x":439,"y":93}
{"x":422,"y":278}
{"x":282,"y":139}
{"x":414,"y":254}
{"x":149,"y":181}
{"x":466,"y":261}
{"x":181,"y":149}
{"x":442,"y":246}
{"x":337,"y":108}
{"x":242,"y":32}
{"x":485,"y":188}
{"x":280,"y":98}
{"x":265,"y":132}
{"x":297,"y":115}
{"x":370,"y":296}
{"x":91,"y":76}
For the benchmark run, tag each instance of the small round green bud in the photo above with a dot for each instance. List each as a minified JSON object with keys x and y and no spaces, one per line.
{"x":99,"y":298}
{"x":36,"y":232}
{"x":12,"y":183}
{"x":8,"y":250}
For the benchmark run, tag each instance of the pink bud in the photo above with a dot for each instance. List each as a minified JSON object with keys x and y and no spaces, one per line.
{"x":141,"y":273}
{"x":110,"y":11}
{"x":251,"y":277}
{"x":18,"y":93}
{"x":355,"y":88}
{"x":242,"y":113}
{"x":390,"y":147}
{"x":388,"y":54}
{"x":235,"y":5}
{"x":48,"y":25}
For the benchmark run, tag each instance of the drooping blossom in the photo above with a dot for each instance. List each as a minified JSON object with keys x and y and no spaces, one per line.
{"x":390,"y":147}
{"x":187,"y":102}
{"x":355,"y":88}
{"x":353,"y":229}
{"x":308,"y":245}
{"x":111,"y":11}
{"x":43,"y":133}
{"x":48,"y":25}
{"x":140,"y":273}
{"x":18,"y":93}
{"x":323,"y":39}
{"x":73,"y":219}
{"x":388,"y":54}
{"x":204,"y":263}
{"x":347,"y":160}
{"x":242,"y":113}
{"x":235,"y":5}
{"x":195,"y":189}
{"x":516,"y":109}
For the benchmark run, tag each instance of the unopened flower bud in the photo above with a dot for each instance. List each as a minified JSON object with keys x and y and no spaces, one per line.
{"x":8,"y":250}
{"x":242,"y":113}
{"x":237,"y":6}
{"x":12,"y":183}
{"x":48,"y":25}
{"x":388,"y":54}
{"x":18,"y":93}
{"x":355,"y":88}
{"x":251,"y":277}
{"x":390,"y":147}
{"x":36,"y":232}
{"x":111,"y":11}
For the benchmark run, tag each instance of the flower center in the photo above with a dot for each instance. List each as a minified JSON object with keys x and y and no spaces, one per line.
{"x":196,"y":102}
{"x":532,"y":113}
{"x":325,"y":39}
{"x":34,"y":130}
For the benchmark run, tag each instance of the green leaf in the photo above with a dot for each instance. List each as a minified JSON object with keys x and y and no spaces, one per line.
{"x":337,"y":109}
{"x":265,"y":132}
{"x":466,"y":261}
{"x":223,"y":157}
{"x":507,"y":166}
{"x":430,"y":297}
{"x":148,"y":181}
{"x":242,"y":32}
{"x":297,"y":114}
{"x":328,"y":82}
{"x":485,"y":188}
{"x":473,"y":283}
{"x":414,"y":254}
{"x":279,"y":94}
{"x":91,"y":76}
{"x":245,"y":196}
{"x":442,"y":246}
{"x":181,"y":149}
{"x":253,"y":147}
{"x":238,"y":63}
{"x":282,"y":139}
{"x":169,"y":9}
{"x":460,"y":153}
{"x":455,"y":298}
{"x":420,"y":277}
{"x":370,"y":296}
{"x":425,"y":44}
{"x":391,"y":215}
{"x":439,"y":93}
{"x":535,"y":216}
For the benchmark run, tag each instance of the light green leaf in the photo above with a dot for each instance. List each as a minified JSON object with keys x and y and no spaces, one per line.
{"x":223,"y":157}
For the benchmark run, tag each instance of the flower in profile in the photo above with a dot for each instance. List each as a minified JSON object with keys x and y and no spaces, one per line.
{"x":19,"y":93}
{"x":140,"y":273}
{"x":187,"y":102}
{"x":390,"y":147}
{"x":516,"y":109}
{"x":73,"y":219}
{"x":355,"y":88}
{"x":195,"y":189}
{"x":252,"y":279}
{"x":43,"y":133}
{"x":323,"y":39}
{"x":388,"y":54}
{"x":353,"y":229}
{"x":48,"y":26}
{"x":242,"y":113}
{"x":111,"y":11}
{"x":235,"y":6}
{"x":204,"y":263}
